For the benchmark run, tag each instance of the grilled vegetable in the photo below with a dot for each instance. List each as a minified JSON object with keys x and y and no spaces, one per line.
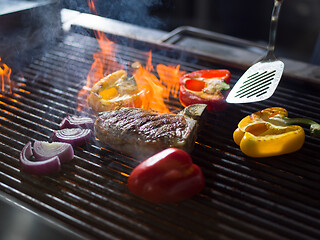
{"x":45,"y":150}
{"x":74,"y":136}
{"x":46,"y":158}
{"x":270,"y":132}
{"x":205,"y":86}
{"x":113,"y":92}
{"x":168,"y":176}
{"x":141,"y":133}
{"x":76,"y":121}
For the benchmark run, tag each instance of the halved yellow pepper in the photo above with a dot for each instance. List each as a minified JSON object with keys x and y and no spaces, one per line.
{"x":109,"y":93}
{"x":269,"y":133}
{"x":113,"y":92}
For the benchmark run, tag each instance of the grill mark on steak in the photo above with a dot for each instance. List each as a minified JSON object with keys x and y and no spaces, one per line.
{"x":149,"y":125}
{"x":134,"y":130}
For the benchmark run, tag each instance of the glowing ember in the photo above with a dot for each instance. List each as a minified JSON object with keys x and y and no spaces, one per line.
{"x":154,"y":91}
{"x":5,"y":73}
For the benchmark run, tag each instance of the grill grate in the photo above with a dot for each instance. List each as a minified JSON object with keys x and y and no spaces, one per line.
{"x":244,"y":198}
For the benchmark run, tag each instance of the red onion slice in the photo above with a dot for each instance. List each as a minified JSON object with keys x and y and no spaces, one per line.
{"x":46,"y":167}
{"x":74,"y":136}
{"x":45,"y":150}
{"x":76,"y":122}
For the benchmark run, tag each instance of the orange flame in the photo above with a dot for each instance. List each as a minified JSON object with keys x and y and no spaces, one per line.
{"x":5,"y":73}
{"x":169,"y":75}
{"x":104,"y":61}
{"x":151,"y":87}
{"x":153,"y":91}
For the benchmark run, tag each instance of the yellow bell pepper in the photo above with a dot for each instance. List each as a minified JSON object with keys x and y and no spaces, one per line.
{"x":270,"y":132}
{"x":114,"y":91}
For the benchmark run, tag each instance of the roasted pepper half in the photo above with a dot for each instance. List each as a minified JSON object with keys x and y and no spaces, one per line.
{"x":205,"y":86}
{"x":114,"y":91}
{"x":270,"y":132}
{"x":168,"y":176}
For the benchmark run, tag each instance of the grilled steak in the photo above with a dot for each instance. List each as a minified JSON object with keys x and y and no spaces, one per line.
{"x":141,"y":133}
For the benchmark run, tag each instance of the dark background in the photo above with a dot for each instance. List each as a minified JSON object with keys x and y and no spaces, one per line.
{"x":298,"y":30}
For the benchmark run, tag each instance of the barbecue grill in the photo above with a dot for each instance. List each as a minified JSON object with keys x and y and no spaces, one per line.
{"x":244,"y":198}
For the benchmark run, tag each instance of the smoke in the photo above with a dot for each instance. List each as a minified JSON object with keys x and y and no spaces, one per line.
{"x":134,"y":11}
{"x":138,"y":12}
{"x":78,"y":5}
{"x":28,"y":29}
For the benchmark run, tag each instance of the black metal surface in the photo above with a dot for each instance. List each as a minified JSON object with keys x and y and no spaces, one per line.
{"x":21,"y":222}
{"x":244,"y":198}
{"x":23,"y":25}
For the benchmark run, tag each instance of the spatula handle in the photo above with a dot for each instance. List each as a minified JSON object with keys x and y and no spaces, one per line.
{"x":273,"y":29}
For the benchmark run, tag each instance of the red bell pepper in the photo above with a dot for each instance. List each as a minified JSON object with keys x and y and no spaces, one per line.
{"x":168,"y":176}
{"x":205,"y":86}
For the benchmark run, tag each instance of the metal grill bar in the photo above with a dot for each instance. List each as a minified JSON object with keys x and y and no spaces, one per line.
{"x":244,"y":198}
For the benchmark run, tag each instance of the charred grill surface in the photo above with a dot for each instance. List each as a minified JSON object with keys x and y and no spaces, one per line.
{"x":244,"y":198}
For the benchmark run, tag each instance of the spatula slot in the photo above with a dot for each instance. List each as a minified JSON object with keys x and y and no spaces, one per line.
{"x":259,"y":77}
{"x":256,"y":85}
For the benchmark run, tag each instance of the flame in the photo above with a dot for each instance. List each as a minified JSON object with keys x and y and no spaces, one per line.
{"x":104,"y":61}
{"x":151,"y":87}
{"x":169,"y":75}
{"x":5,"y":73}
{"x":155,"y":90}
{"x":92,"y":6}
{"x":152,"y":90}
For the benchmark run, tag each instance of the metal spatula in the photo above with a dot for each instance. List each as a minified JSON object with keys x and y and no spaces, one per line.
{"x":261,"y":80}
